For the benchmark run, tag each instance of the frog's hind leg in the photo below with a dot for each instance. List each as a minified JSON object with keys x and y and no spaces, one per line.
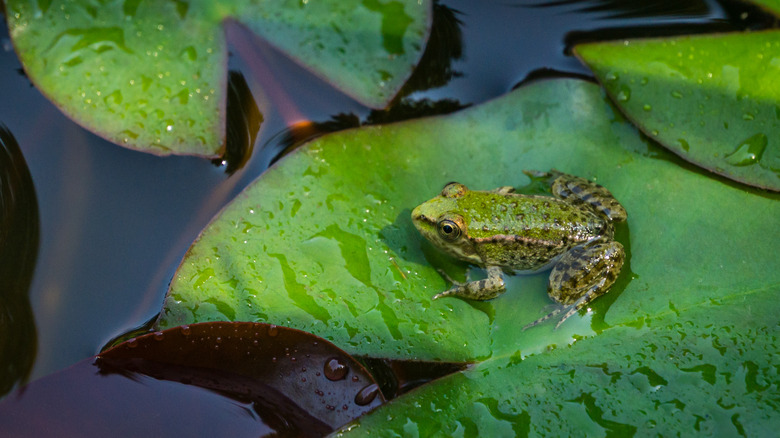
{"x":582,"y":275}
{"x":581,"y":191}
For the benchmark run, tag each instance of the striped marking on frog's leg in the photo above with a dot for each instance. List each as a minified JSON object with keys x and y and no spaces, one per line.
{"x":583,"y":274}
{"x":581,"y":191}
{"x":484,"y":289}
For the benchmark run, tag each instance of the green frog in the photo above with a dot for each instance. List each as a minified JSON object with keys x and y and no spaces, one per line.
{"x":503,"y":231}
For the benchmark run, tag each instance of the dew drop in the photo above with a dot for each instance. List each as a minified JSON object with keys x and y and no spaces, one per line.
{"x":335,"y":370}
{"x":132,"y":343}
{"x":273,"y":330}
{"x":749,"y":151}
{"x":367,"y":394}
{"x":647,"y":107}
{"x":185,"y":330}
{"x":159,"y":336}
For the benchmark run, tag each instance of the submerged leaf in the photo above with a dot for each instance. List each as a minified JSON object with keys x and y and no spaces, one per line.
{"x":323,"y":242}
{"x":152,"y":75}
{"x":712,"y":99}
{"x":19,"y":230}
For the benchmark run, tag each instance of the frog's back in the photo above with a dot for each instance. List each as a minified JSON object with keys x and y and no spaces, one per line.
{"x":524,"y":232}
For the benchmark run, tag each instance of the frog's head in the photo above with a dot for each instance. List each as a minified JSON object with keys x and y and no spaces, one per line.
{"x":440,"y":221}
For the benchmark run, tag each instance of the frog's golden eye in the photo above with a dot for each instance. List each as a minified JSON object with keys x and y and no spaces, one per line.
{"x":448,"y":230}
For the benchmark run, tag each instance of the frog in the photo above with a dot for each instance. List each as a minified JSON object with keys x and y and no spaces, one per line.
{"x":570,"y":233}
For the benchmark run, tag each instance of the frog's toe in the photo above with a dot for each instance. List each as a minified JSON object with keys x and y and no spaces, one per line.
{"x":446,"y":293}
{"x":544,"y":318}
{"x":570,"y":310}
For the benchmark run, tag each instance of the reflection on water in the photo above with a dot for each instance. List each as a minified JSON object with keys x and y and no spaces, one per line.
{"x":243,"y":120}
{"x":18,"y":252}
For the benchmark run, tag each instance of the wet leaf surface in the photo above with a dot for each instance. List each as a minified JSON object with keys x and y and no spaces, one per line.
{"x":711,"y":99}
{"x":152,"y":75}
{"x":316,"y":245}
{"x":285,"y":381}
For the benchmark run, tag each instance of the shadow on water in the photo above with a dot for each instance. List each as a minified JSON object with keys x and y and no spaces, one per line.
{"x":19,"y":230}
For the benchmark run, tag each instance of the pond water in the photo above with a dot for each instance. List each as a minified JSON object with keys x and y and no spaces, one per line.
{"x":115,"y":223}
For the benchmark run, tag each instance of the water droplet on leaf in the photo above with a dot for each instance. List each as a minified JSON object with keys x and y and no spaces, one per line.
{"x":335,"y":370}
{"x":749,"y":151}
{"x":367,"y":394}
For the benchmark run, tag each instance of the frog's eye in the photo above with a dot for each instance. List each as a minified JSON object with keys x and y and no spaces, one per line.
{"x":448,"y":230}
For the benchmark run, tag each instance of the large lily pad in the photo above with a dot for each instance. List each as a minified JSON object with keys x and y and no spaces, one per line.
{"x":151,"y":75}
{"x":323,"y":242}
{"x":711,"y":99}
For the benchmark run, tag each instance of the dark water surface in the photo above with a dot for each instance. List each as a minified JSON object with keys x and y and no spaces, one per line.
{"x":115,"y":223}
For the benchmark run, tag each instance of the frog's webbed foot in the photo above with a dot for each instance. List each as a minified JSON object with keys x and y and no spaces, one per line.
{"x":545,"y":318}
{"x":582,"y":275}
{"x":582,"y":191}
{"x":484,"y":289}
{"x":567,"y":311}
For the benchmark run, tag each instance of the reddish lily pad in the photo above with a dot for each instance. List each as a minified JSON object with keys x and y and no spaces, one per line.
{"x":294,"y":382}
{"x":307,"y":378}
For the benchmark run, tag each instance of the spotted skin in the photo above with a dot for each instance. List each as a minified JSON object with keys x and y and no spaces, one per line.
{"x":571,"y":232}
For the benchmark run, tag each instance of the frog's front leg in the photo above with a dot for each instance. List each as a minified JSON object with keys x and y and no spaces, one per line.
{"x":583,"y":274}
{"x":484,"y":289}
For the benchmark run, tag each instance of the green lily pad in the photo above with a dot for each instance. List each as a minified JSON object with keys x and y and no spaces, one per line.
{"x":323,"y":242}
{"x":714,"y":100}
{"x":152,"y":75}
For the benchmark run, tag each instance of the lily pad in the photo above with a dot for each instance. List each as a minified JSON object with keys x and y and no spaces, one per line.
{"x":152,"y":75}
{"x":323,"y":242}
{"x":712,"y":99}
{"x":311,"y":383}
